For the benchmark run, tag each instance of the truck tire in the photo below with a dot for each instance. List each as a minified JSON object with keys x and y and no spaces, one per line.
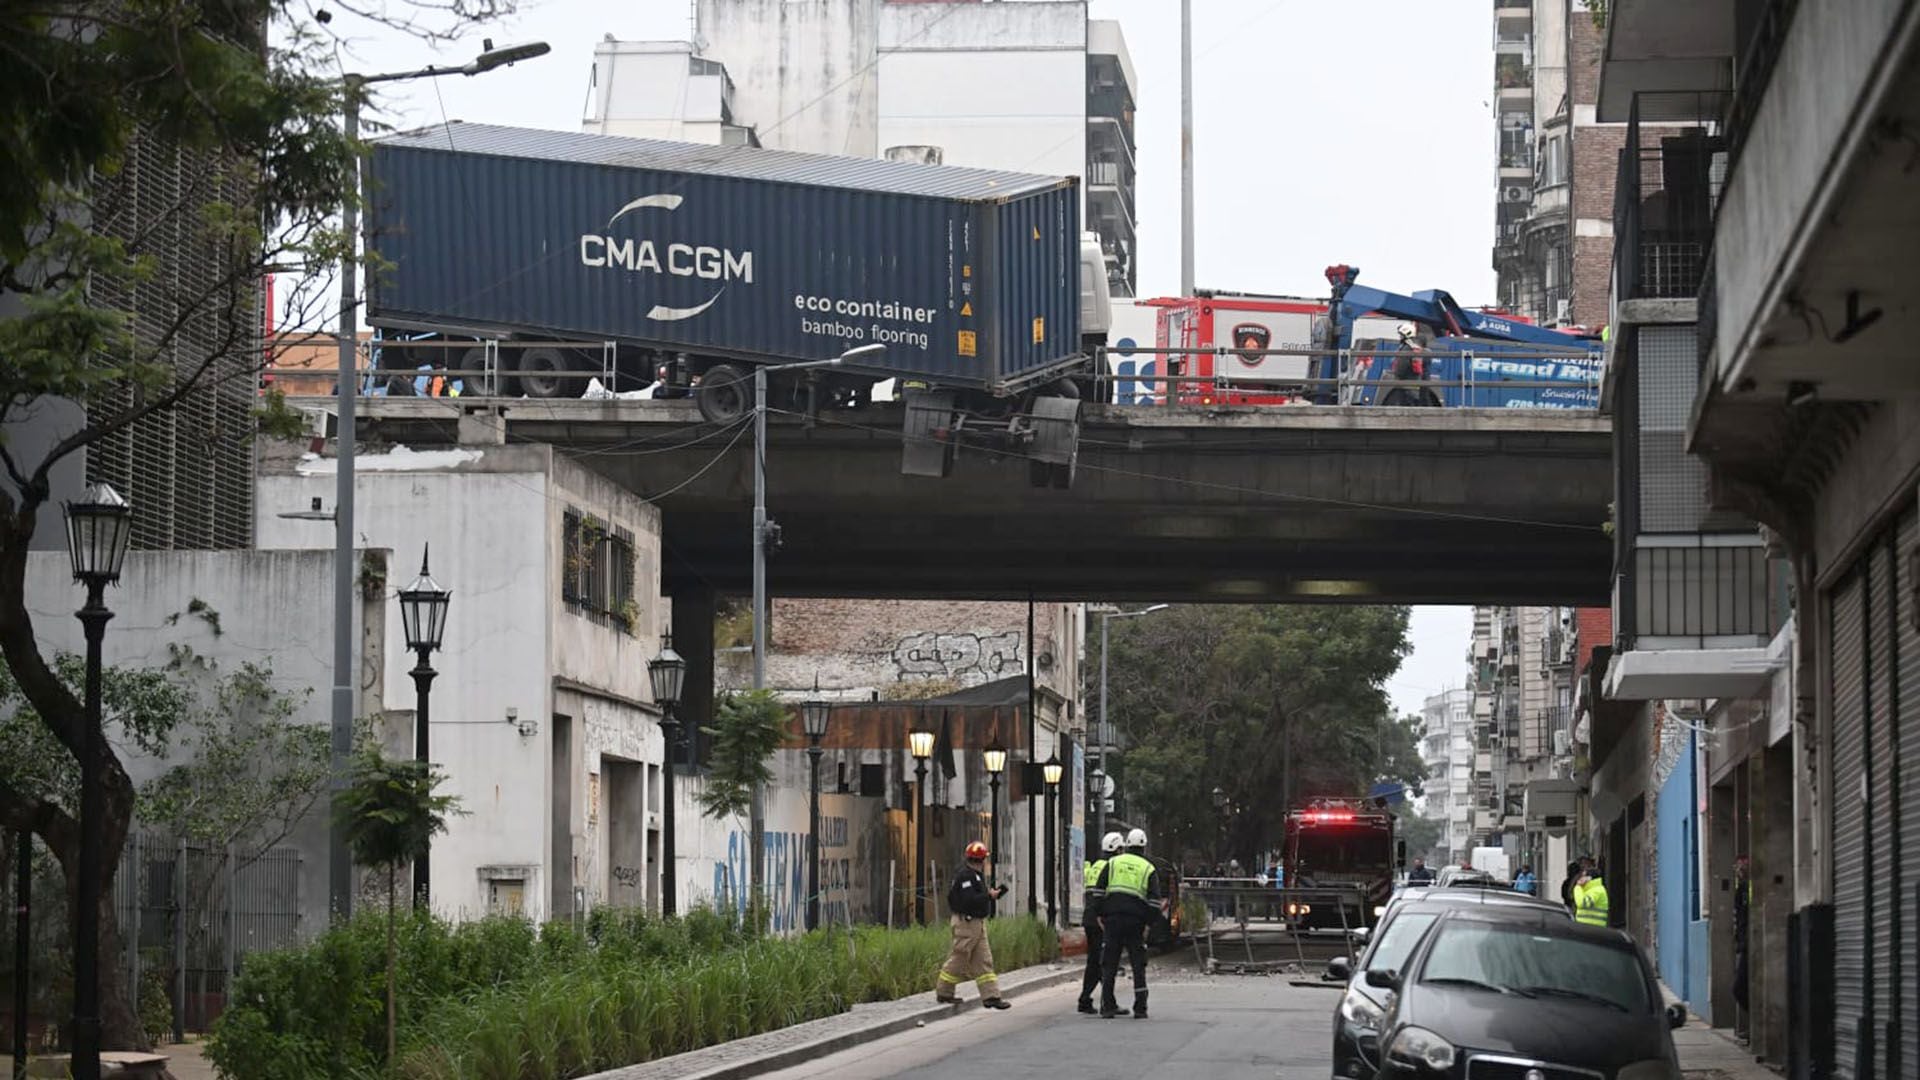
{"x":724,"y":395}
{"x":501,"y":385}
{"x":543,"y":374}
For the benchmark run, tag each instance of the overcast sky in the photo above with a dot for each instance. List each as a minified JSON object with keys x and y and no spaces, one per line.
{"x":1357,"y":131}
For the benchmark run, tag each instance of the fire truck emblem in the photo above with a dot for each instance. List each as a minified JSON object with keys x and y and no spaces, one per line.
{"x":1250,"y":342}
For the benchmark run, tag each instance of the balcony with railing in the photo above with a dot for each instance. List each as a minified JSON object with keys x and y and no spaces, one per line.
{"x":1665,"y":193}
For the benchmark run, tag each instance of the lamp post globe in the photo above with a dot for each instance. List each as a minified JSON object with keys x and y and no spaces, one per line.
{"x":920,"y":746}
{"x":423,"y":620}
{"x":995,"y":759}
{"x":667,"y":671}
{"x":814,"y":716}
{"x":99,"y":528}
{"x":1051,"y":771}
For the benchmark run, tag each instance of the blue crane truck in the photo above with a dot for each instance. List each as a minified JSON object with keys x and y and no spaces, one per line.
{"x":1455,"y":358}
{"x":687,"y":265}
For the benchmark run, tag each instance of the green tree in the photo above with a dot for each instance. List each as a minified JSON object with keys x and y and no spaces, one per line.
{"x":391,"y":814}
{"x":248,"y":92}
{"x":747,"y":728}
{"x":1421,"y":834}
{"x":1231,"y":713}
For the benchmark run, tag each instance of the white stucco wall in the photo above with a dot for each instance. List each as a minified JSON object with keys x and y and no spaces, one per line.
{"x":802,"y":69}
{"x":273,"y":608}
{"x":493,"y":516}
{"x":994,"y":85}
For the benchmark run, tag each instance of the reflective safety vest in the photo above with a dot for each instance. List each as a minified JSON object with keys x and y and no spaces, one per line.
{"x":1590,"y":903}
{"x":1127,"y":875}
{"x":1090,"y":874}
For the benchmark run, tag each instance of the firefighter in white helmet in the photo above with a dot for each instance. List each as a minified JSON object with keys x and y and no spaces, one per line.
{"x":1129,"y":889}
{"x":1110,"y":845}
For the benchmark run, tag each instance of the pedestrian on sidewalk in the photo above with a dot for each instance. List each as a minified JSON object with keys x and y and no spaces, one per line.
{"x":1110,"y":845}
{"x":1131,"y":888}
{"x":971,"y":900}
{"x":1523,"y":882}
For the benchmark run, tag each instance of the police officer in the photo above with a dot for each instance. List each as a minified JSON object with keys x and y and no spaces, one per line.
{"x":1590,"y":898}
{"x":1126,"y":909}
{"x":971,"y":901}
{"x":1110,"y":845}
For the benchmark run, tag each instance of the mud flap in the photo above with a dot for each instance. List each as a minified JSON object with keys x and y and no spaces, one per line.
{"x":1056,"y":441}
{"x":927,"y":448}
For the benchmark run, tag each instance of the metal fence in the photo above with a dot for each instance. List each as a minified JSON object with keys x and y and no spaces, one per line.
{"x":189,"y":916}
{"x":1664,"y":201}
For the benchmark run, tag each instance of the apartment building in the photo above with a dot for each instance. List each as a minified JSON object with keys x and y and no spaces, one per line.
{"x":1765,"y":265}
{"x":1446,"y":746}
{"x":1553,"y":243}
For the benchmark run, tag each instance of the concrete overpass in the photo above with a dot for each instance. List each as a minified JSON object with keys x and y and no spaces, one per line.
{"x":1198,"y":504}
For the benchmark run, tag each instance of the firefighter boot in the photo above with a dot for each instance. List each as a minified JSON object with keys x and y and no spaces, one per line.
{"x":995,"y":1003}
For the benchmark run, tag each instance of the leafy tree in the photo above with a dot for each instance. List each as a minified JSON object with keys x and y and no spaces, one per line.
{"x":247,"y":92}
{"x":1422,"y":834}
{"x":390,"y":815}
{"x":1253,"y":708}
{"x":747,"y":728}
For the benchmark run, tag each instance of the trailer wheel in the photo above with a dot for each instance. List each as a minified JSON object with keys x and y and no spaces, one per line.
{"x":479,"y":385}
{"x":543,"y":375}
{"x":724,"y":394}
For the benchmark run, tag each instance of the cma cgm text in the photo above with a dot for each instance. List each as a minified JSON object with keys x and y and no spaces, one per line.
{"x":683,"y":260}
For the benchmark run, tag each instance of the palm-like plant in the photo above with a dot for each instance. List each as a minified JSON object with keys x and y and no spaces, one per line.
{"x":390,"y":815}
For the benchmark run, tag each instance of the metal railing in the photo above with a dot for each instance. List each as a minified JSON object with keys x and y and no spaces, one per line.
{"x":438,"y":368}
{"x":1166,"y":376}
{"x":1762,"y":51}
{"x":1665,"y":196}
{"x":1702,"y":589}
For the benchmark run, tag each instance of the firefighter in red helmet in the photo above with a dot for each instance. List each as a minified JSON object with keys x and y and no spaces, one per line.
{"x":971,"y":901}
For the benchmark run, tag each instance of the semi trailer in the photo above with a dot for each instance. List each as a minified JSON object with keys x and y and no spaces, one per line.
{"x":687,"y":265}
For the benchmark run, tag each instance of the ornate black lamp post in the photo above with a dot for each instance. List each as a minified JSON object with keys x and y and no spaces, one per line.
{"x":423,"y":616}
{"x":995,"y":757}
{"x":1051,"y":772}
{"x":99,"y":526}
{"x":814,"y":714}
{"x":668,"y":673}
{"x":920,"y":745}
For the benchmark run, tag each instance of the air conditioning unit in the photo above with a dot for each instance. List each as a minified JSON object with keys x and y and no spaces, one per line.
{"x":1516,"y":193}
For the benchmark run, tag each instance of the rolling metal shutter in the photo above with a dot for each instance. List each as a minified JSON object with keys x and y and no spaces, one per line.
{"x":1845,"y":610}
{"x":1906,"y":763}
{"x":1881,"y":810}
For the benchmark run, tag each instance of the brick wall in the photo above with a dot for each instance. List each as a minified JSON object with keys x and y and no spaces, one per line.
{"x":1585,"y":45}
{"x":1592,"y":280}
{"x":910,"y":648}
{"x":1596,"y":166}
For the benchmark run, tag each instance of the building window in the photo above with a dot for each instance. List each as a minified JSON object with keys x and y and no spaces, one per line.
{"x":597,"y":572}
{"x":1553,"y":161}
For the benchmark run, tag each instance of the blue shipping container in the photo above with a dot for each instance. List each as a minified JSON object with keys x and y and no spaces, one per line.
{"x":969,"y":277}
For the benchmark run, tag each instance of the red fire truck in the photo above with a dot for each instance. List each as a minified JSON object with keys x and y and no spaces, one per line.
{"x":1343,"y":844}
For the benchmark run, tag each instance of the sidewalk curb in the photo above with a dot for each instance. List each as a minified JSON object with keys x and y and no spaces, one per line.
{"x":784,"y":1057}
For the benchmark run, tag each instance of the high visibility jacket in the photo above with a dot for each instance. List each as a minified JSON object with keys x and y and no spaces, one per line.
{"x":1590,"y":903}
{"x":1128,"y":874}
{"x":1090,"y":875}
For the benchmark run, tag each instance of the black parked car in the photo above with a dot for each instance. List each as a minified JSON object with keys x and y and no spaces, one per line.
{"x":1356,"y":1023}
{"x":1497,"y":994}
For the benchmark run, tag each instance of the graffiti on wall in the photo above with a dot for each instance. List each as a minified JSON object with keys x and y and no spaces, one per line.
{"x":786,"y":864}
{"x":930,"y":654}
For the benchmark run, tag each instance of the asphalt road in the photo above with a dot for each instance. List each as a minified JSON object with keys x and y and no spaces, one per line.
{"x":1224,"y":1027}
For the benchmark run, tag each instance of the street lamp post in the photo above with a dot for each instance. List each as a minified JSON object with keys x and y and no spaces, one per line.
{"x":99,"y":526}
{"x":1100,"y":805}
{"x":423,"y":617}
{"x":920,"y":745}
{"x":339,"y":862}
{"x":1051,"y":772}
{"x":22,"y":954}
{"x":762,"y":527}
{"x":995,"y":757}
{"x":814,"y":714}
{"x":668,"y":672}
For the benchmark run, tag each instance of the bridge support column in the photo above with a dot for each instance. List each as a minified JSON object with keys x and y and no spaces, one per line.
{"x":693,"y":640}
